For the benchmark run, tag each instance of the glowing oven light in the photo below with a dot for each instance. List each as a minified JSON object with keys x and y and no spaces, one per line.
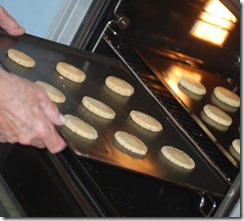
{"x":210,"y":33}
{"x":217,"y":21}
{"x":215,"y":7}
{"x":214,"y":24}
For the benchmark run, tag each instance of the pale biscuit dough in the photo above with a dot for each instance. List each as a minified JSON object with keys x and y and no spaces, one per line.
{"x":222,"y":105}
{"x":233,"y":151}
{"x":80,"y":127}
{"x":97,"y":107}
{"x":190,"y":94}
{"x":217,"y":115}
{"x":21,"y":58}
{"x":131,"y":143}
{"x":119,"y":86}
{"x":236,"y":145}
{"x":146,"y":121}
{"x":53,"y":93}
{"x":227,"y":96}
{"x":70,"y":72}
{"x":193,"y":85}
{"x":178,"y":157}
{"x":213,"y":123}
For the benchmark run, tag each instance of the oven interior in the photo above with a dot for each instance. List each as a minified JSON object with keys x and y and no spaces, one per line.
{"x":165,"y":27}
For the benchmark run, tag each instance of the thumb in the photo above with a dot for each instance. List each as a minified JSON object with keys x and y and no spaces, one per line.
{"x":8,"y":23}
{"x":51,"y":111}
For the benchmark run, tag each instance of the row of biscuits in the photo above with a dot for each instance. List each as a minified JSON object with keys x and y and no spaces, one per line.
{"x":215,"y":115}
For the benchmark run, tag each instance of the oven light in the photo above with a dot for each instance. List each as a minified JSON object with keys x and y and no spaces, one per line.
{"x":214,"y":24}
{"x":210,"y":33}
{"x":215,"y":7}
{"x":217,"y":21}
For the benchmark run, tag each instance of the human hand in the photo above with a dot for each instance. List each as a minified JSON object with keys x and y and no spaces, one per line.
{"x":9,"y":24}
{"x":27,"y":115}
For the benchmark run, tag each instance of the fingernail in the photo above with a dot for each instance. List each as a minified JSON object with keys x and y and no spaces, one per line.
{"x":62,"y":118}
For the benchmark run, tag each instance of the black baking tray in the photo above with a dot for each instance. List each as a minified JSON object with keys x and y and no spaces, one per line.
{"x":170,"y":68}
{"x":203,"y":178}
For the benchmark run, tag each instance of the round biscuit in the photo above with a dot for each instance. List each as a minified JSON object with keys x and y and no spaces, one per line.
{"x":225,"y":107}
{"x":227,"y":96}
{"x":53,"y":93}
{"x":234,"y":153}
{"x":236,"y":145}
{"x":131,"y":143}
{"x":70,"y":72}
{"x":99,"y":108}
{"x":119,"y":86}
{"x":21,"y":58}
{"x":193,"y":85}
{"x":178,"y":157}
{"x":146,"y":121}
{"x":190,"y":94}
{"x":80,"y":127}
{"x":213,"y":123}
{"x":217,"y":115}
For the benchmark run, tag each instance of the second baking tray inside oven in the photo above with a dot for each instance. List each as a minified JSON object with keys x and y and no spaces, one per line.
{"x":170,"y":68}
{"x":203,"y":178}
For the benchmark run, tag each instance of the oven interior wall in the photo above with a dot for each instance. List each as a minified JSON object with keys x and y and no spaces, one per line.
{"x":167,"y":24}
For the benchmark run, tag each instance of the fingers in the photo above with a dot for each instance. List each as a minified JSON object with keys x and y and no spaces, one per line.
{"x":52,"y":139}
{"x":50,"y":109}
{"x":7,"y":139}
{"x":55,"y":142}
{"x":27,"y":115}
{"x":37,"y":143}
{"x":8,"y":23}
{"x":31,"y":126}
{"x":3,"y":139}
{"x":51,"y":116}
{"x":43,"y":135}
{"x":48,"y":137}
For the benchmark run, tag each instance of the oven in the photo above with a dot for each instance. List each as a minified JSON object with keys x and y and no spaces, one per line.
{"x":149,"y":42}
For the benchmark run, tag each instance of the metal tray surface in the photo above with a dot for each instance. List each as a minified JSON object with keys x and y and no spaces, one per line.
{"x":203,"y":178}
{"x":169,"y":71}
